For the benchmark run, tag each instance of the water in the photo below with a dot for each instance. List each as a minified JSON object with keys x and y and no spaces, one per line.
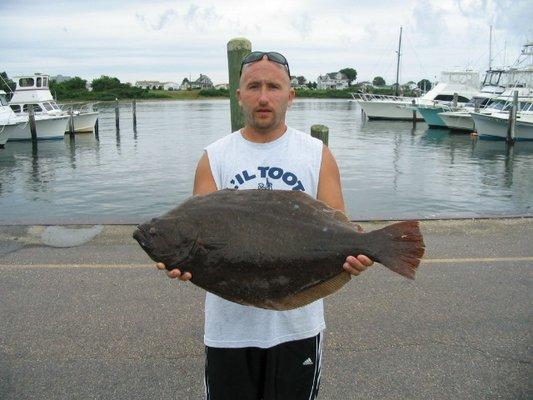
{"x":388,"y":169}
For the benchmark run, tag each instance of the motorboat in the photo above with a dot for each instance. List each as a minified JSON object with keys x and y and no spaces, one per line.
{"x":493,"y":121}
{"x":34,"y":89}
{"x":17,"y":127}
{"x":456,"y":115}
{"x":494,"y":87}
{"x":461,"y":84}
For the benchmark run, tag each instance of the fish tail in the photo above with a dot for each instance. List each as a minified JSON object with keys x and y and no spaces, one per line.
{"x":399,"y":247}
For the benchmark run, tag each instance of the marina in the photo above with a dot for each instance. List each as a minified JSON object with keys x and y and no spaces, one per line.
{"x":389,"y":169}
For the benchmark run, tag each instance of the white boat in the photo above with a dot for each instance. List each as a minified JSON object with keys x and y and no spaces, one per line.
{"x":34,"y":90}
{"x":494,"y":121}
{"x":17,"y":127}
{"x":464,"y":83}
{"x":495,"y":125}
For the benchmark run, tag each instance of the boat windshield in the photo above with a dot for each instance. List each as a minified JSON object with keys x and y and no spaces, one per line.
{"x":3,"y":99}
{"x":26,"y":82}
{"x":526,"y":106}
{"x":48,"y":106}
{"x":492,"y":78}
{"x":501,"y":105}
{"x":481,"y":102}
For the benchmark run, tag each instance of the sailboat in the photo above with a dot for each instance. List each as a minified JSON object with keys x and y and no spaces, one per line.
{"x":463,"y":83}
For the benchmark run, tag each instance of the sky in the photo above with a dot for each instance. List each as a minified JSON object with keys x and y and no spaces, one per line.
{"x":170,"y":40}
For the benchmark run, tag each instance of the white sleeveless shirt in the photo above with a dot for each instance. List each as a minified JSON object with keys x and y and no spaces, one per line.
{"x":291,"y":162}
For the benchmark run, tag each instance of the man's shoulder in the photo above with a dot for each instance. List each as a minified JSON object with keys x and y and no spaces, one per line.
{"x":224,"y":140}
{"x":304,"y":138}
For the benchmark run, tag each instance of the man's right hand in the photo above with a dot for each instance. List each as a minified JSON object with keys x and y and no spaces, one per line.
{"x":175,"y":273}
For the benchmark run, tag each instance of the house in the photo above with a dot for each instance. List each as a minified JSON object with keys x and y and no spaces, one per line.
{"x":149,"y":84}
{"x":185,"y":84}
{"x":332,"y":80}
{"x":203,"y":82}
{"x":171,"y":86}
{"x":298,"y":82}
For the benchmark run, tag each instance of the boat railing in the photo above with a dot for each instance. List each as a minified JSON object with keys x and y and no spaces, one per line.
{"x":376,"y":97}
{"x":78,"y":107}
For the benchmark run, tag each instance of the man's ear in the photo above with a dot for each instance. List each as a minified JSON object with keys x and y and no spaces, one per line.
{"x":292,"y":95}
{"x":239,"y":96}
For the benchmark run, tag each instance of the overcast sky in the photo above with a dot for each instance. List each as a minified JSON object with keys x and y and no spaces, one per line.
{"x":169,"y":40}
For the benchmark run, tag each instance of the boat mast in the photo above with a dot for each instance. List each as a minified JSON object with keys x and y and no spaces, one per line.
{"x":490,"y":48}
{"x":398,"y":63}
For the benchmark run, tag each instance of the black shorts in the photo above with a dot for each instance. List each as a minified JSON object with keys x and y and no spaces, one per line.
{"x":288,"y":371}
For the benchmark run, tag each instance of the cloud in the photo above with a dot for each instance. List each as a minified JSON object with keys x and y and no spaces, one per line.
{"x":303,"y":25}
{"x":430,"y":22}
{"x":160,"y":22}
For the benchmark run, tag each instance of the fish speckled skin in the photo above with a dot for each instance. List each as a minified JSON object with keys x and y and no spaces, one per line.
{"x":271,"y":249}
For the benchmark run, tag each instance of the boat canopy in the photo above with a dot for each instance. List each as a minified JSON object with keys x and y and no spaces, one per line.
{"x":35,"y":81}
{"x":468,"y":78}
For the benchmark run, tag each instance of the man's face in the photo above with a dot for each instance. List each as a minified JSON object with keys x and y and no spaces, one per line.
{"x":264,"y":94}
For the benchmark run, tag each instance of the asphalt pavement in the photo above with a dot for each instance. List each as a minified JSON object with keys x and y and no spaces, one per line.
{"x":85,"y":315}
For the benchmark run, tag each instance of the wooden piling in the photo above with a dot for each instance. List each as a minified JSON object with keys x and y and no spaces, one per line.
{"x":320,"y":132}
{"x":117,"y":116}
{"x":476,"y":104}
{"x":134,"y":106}
{"x":512,"y":119}
{"x":70,"y":122}
{"x":413,"y":102}
{"x":455,"y":99}
{"x":31,"y":120}
{"x":96,"y":128}
{"x":237,"y":48}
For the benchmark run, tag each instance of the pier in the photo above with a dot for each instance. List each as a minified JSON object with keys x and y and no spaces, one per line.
{"x":86,"y":315}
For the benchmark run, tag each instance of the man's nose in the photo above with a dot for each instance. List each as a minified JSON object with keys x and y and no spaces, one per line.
{"x":263,"y":96}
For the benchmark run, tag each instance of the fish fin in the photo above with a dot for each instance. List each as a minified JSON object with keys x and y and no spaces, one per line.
{"x":205,"y":244}
{"x":316,"y":204}
{"x":400,"y":245}
{"x":311,"y":294}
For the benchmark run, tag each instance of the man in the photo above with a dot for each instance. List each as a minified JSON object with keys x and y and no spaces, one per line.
{"x":253,"y":353}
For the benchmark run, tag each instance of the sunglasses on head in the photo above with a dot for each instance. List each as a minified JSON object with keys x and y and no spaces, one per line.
{"x":255,"y":56}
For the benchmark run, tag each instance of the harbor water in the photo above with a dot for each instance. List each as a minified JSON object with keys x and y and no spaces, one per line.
{"x":389,"y":169}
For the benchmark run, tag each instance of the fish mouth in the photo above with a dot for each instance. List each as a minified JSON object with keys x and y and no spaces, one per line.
{"x":140,"y":236}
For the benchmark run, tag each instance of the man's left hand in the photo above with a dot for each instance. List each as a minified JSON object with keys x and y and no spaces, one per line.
{"x":356,"y":265}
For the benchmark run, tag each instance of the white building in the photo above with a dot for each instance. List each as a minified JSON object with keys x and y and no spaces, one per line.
{"x":149,"y":84}
{"x":171,"y":86}
{"x":332,"y":80}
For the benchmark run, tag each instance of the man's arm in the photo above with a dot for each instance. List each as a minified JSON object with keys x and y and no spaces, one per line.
{"x":330,"y":192}
{"x":204,"y":183}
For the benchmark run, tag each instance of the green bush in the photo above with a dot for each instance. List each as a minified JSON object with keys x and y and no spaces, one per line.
{"x":214,"y":92}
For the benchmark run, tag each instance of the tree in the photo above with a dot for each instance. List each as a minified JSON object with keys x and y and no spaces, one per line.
{"x":106,"y":83}
{"x":75,"y":83}
{"x":350,"y":73}
{"x":378,"y":81}
{"x":311,"y":85}
{"x":301,"y":80}
{"x":7,"y":85}
{"x":424,"y":85}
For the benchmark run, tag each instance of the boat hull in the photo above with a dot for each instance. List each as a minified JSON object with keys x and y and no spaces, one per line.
{"x":458,"y":121}
{"x":48,"y":128}
{"x":388,"y":110}
{"x":431,"y":116}
{"x":84,"y":122}
{"x":490,"y":126}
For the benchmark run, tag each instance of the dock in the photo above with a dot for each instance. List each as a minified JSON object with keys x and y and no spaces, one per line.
{"x":86,"y":315}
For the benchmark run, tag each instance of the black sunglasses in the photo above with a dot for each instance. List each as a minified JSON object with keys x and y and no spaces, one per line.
{"x":255,"y":56}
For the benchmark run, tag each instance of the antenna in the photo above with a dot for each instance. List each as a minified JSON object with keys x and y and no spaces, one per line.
{"x":490,"y":48}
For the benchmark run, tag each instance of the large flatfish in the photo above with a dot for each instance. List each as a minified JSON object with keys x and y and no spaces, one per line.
{"x":272,"y":249}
